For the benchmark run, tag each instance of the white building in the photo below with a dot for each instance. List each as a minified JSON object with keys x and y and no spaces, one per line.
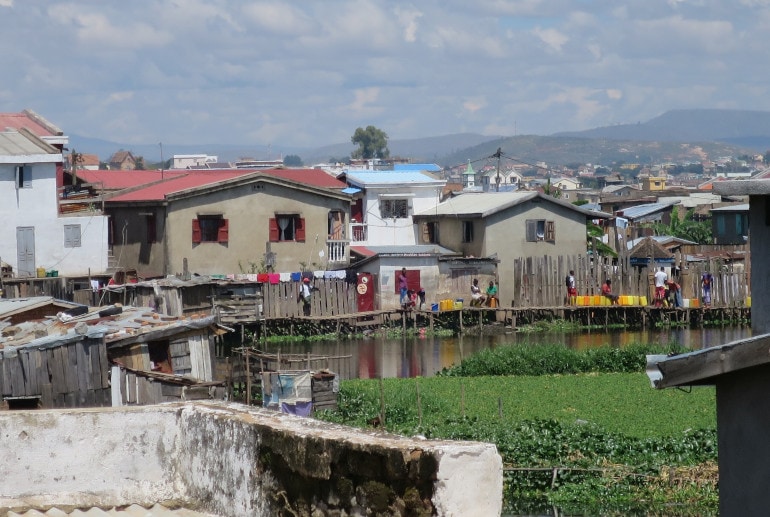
{"x":383,"y":209}
{"x":184,"y":161}
{"x":34,"y":234}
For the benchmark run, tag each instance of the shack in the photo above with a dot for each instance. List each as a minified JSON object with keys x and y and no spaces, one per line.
{"x":110,"y":356}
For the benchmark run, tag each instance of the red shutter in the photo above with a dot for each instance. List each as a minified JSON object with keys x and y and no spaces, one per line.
{"x":196,"y":231}
{"x":224,"y":230}
{"x":299,"y":231}
{"x":273,"y":231}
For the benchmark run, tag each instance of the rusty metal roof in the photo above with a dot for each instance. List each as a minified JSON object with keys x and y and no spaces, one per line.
{"x":116,"y":324}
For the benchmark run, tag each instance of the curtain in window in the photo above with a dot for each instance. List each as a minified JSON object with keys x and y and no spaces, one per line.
{"x":283,"y":224}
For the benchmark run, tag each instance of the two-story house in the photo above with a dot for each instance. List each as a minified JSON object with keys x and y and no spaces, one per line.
{"x":35,"y":234}
{"x":225,"y":221}
{"x":385,"y":202}
{"x":509,"y":225}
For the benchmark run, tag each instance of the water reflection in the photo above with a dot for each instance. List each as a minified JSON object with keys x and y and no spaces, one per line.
{"x":422,"y":356}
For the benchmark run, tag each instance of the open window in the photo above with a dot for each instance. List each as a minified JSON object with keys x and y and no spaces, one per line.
{"x":23,"y":176}
{"x":430,"y":232}
{"x":540,"y":230}
{"x":210,"y":228}
{"x":467,"y":231}
{"x":287,"y":228}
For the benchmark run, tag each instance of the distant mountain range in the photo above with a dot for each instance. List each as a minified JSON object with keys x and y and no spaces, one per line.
{"x":678,"y":135}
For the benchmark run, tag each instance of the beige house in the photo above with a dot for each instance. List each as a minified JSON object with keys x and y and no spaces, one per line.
{"x":230,"y":222}
{"x":508,"y":225}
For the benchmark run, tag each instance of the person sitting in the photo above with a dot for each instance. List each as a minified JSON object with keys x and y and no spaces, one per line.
{"x":411,"y":300}
{"x":477,"y":299}
{"x":607,"y":292}
{"x":492,"y":294}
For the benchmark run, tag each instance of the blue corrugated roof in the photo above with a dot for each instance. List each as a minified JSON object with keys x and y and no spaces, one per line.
{"x":430,"y":167}
{"x":364,"y":178}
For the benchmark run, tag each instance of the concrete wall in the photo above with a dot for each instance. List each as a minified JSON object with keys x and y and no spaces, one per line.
{"x":233,"y":461}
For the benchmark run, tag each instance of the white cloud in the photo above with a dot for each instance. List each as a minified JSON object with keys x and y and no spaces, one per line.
{"x":308,"y":73}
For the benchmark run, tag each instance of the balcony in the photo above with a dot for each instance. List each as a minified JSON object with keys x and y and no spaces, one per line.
{"x":359,"y":232}
{"x":338,"y":252}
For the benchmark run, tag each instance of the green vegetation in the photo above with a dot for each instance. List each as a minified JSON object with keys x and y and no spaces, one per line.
{"x":588,"y":443}
{"x":372,"y":143}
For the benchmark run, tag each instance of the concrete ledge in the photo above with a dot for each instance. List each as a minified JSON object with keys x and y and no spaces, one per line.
{"x":232,"y":460}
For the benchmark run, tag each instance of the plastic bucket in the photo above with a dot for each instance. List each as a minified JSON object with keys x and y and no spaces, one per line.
{"x":41,"y":272}
{"x":434,"y":307}
{"x":642,"y":301}
{"x":458,"y":304}
{"x":748,"y":301}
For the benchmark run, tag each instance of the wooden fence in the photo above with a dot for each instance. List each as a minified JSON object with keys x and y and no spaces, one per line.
{"x":331,"y":297}
{"x":540,"y":281}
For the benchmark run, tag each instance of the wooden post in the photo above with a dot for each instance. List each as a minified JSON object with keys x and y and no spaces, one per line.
{"x":248,"y":376}
{"x":382,"y":403}
{"x":419,"y":403}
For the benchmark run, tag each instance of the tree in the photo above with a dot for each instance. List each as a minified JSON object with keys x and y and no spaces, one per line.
{"x":372,"y":143}
{"x":139,"y":163}
{"x":292,"y":160}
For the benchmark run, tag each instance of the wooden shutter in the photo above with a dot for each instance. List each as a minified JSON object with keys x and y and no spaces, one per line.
{"x":550,"y":231}
{"x":224,"y":230}
{"x":299,"y":230}
{"x":531,"y":230}
{"x":273,"y":233}
{"x":196,"y":231}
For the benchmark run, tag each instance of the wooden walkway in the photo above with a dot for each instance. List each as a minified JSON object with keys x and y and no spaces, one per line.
{"x":476,"y":318}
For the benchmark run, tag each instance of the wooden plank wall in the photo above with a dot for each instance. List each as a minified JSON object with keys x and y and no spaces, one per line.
{"x":331,"y":297}
{"x":71,"y":375}
{"x":540,"y":281}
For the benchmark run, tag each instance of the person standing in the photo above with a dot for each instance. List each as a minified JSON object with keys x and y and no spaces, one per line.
{"x":706,"y":281}
{"x":403,"y":286}
{"x":305,"y":291}
{"x":660,"y":287}
{"x":571,"y":288}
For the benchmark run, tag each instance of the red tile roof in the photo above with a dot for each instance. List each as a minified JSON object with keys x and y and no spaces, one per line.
{"x":312,"y":177}
{"x":118,"y":180}
{"x":188,"y":179}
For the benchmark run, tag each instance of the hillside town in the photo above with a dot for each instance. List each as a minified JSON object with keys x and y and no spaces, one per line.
{"x":101,"y":222}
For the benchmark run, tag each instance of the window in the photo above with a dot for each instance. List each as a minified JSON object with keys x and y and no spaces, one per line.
{"x":430,"y":232}
{"x":23,"y":176}
{"x":151,"y":230}
{"x":394,"y":208}
{"x":71,"y":235}
{"x":540,"y":230}
{"x":467,"y":231}
{"x":210,"y":228}
{"x":287,"y":227}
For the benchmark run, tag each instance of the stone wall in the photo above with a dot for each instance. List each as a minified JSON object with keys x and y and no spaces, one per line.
{"x":232,"y":460}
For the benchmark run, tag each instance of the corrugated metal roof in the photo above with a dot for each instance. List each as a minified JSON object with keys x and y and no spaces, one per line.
{"x":472,"y":204}
{"x":127,"y":325}
{"x":14,"y":143}
{"x":430,"y":167}
{"x":24,"y":120}
{"x":418,"y":249}
{"x":374,"y":178}
{"x":743,"y":207}
{"x":134,"y":510}
{"x":635,"y":212}
{"x":118,"y":180}
{"x":10,"y":306}
{"x":192,"y":179}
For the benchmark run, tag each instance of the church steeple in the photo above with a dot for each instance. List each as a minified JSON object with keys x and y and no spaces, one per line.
{"x":469,"y":176}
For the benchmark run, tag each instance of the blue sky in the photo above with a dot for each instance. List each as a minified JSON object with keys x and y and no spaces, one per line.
{"x":307,"y":73}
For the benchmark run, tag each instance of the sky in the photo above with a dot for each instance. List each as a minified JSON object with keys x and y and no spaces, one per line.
{"x":308,"y":73}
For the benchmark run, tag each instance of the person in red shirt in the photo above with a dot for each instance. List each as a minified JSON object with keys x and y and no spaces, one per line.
{"x":607,"y":291}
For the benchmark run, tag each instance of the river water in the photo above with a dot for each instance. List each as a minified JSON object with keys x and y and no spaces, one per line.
{"x":423,"y":356}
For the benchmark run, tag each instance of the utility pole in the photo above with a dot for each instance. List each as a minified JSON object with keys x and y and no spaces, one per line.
{"x":497,"y":155}
{"x":162,"y":165}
